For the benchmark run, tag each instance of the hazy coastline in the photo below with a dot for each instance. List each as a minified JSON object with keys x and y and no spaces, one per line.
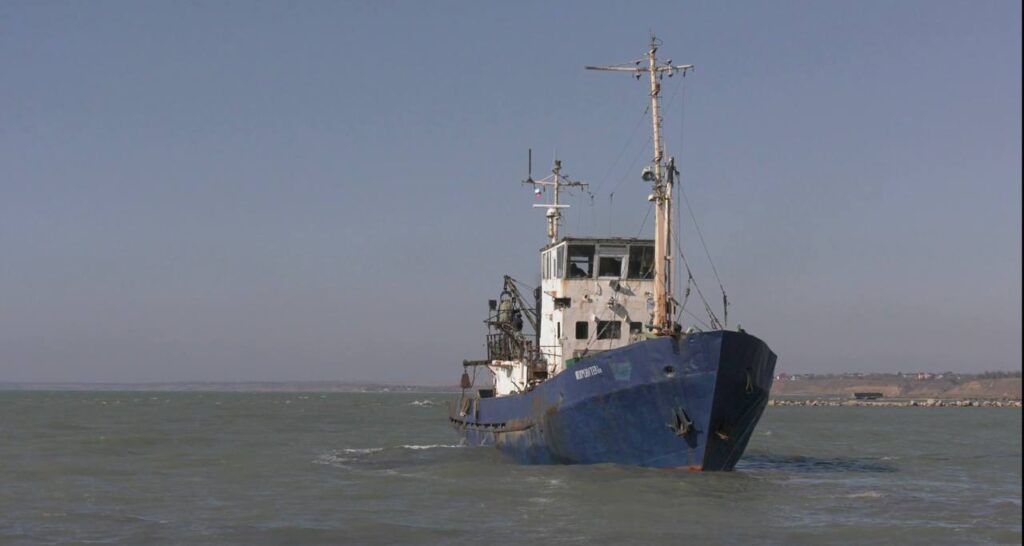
{"x":828,"y":389}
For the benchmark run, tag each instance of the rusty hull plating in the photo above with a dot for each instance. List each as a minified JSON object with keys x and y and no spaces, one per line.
{"x":687,"y":402}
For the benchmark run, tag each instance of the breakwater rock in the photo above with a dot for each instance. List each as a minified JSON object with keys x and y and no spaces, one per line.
{"x":898,"y":403}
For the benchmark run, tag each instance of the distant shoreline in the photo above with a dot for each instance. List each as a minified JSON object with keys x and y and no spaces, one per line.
{"x":896,"y":390}
{"x":902,"y":386}
{"x":898,"y":403}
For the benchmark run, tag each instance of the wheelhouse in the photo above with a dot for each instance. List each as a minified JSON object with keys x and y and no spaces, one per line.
{"x":596,"y":295}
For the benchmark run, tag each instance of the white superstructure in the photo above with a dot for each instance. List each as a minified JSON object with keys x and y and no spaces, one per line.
{"x":596,"y":295}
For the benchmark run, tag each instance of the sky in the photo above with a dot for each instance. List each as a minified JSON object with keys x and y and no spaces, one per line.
{"x":301,"y":191}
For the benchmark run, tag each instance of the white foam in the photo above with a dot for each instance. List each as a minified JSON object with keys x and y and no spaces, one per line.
{"x":423,"y":403}
{"x":431,"y":446}
{"x":331,"y":459}
{"x":364,"y":450}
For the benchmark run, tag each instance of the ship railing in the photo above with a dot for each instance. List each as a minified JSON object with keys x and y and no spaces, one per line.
{"x":501,"y":346}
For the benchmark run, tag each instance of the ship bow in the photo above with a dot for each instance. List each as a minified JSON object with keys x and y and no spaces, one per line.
{"x":746,"y":368}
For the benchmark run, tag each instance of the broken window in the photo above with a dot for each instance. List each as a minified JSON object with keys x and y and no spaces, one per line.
{"x":641,"y":262}
{"x":582,"y":329}
{"x":609,"y":329}
{"x":581,"y":261}
{"x":609,"y":266}
{"x":610,"y":262}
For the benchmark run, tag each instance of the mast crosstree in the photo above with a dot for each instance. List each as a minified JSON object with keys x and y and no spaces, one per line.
{"x":557,"y":181}
{"x":662,"y":178}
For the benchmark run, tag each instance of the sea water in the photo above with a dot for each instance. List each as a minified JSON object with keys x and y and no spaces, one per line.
{"x":381,"y":468}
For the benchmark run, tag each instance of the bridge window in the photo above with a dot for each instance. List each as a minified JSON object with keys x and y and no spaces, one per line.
{"x":581,"y":261}
{"x":609,"y":329}
{"x":582,"y":329}
{"x":610,"y":262}
{"x":641,"y":262}
{"x":609,"y":266}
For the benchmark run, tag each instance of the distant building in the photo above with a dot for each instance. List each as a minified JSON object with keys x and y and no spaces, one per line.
{"x":867,"y":395}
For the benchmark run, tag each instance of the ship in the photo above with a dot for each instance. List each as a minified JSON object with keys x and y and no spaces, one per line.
{"x":594,"y":365}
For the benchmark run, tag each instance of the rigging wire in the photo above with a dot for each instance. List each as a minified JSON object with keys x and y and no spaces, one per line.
{"x":611,"y":205}
{"x":626,"y":175}
{"x":711,"y":314}
{"x":665,"y":111}
{"x":592,"y":337}
{"x":644,"y":223}
{"x":698,"y":319}
{"x":689,"y":209}
{"x":623,"y":150}
{"x":686,"y":298}
{"x":677,"y":232}
{"x":700,"y":235}
{"x":524,"y":285}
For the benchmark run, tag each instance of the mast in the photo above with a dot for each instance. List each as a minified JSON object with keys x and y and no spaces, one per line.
{"x":554,"y":215}
{"x":662,"y":185}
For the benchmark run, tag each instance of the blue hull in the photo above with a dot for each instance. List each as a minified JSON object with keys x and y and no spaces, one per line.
{"x":691,"y":402}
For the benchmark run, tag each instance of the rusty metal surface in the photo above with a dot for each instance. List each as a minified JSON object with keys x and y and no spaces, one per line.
{"x":625,"y":406}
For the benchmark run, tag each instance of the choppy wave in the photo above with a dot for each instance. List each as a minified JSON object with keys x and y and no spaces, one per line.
{"x":796,"y":464}
{"x":372,"y":469}
{"x":424,"y":403}
{"x":350,"y":454}
{"x":368,"y":450}
{"x":332,"y":459}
